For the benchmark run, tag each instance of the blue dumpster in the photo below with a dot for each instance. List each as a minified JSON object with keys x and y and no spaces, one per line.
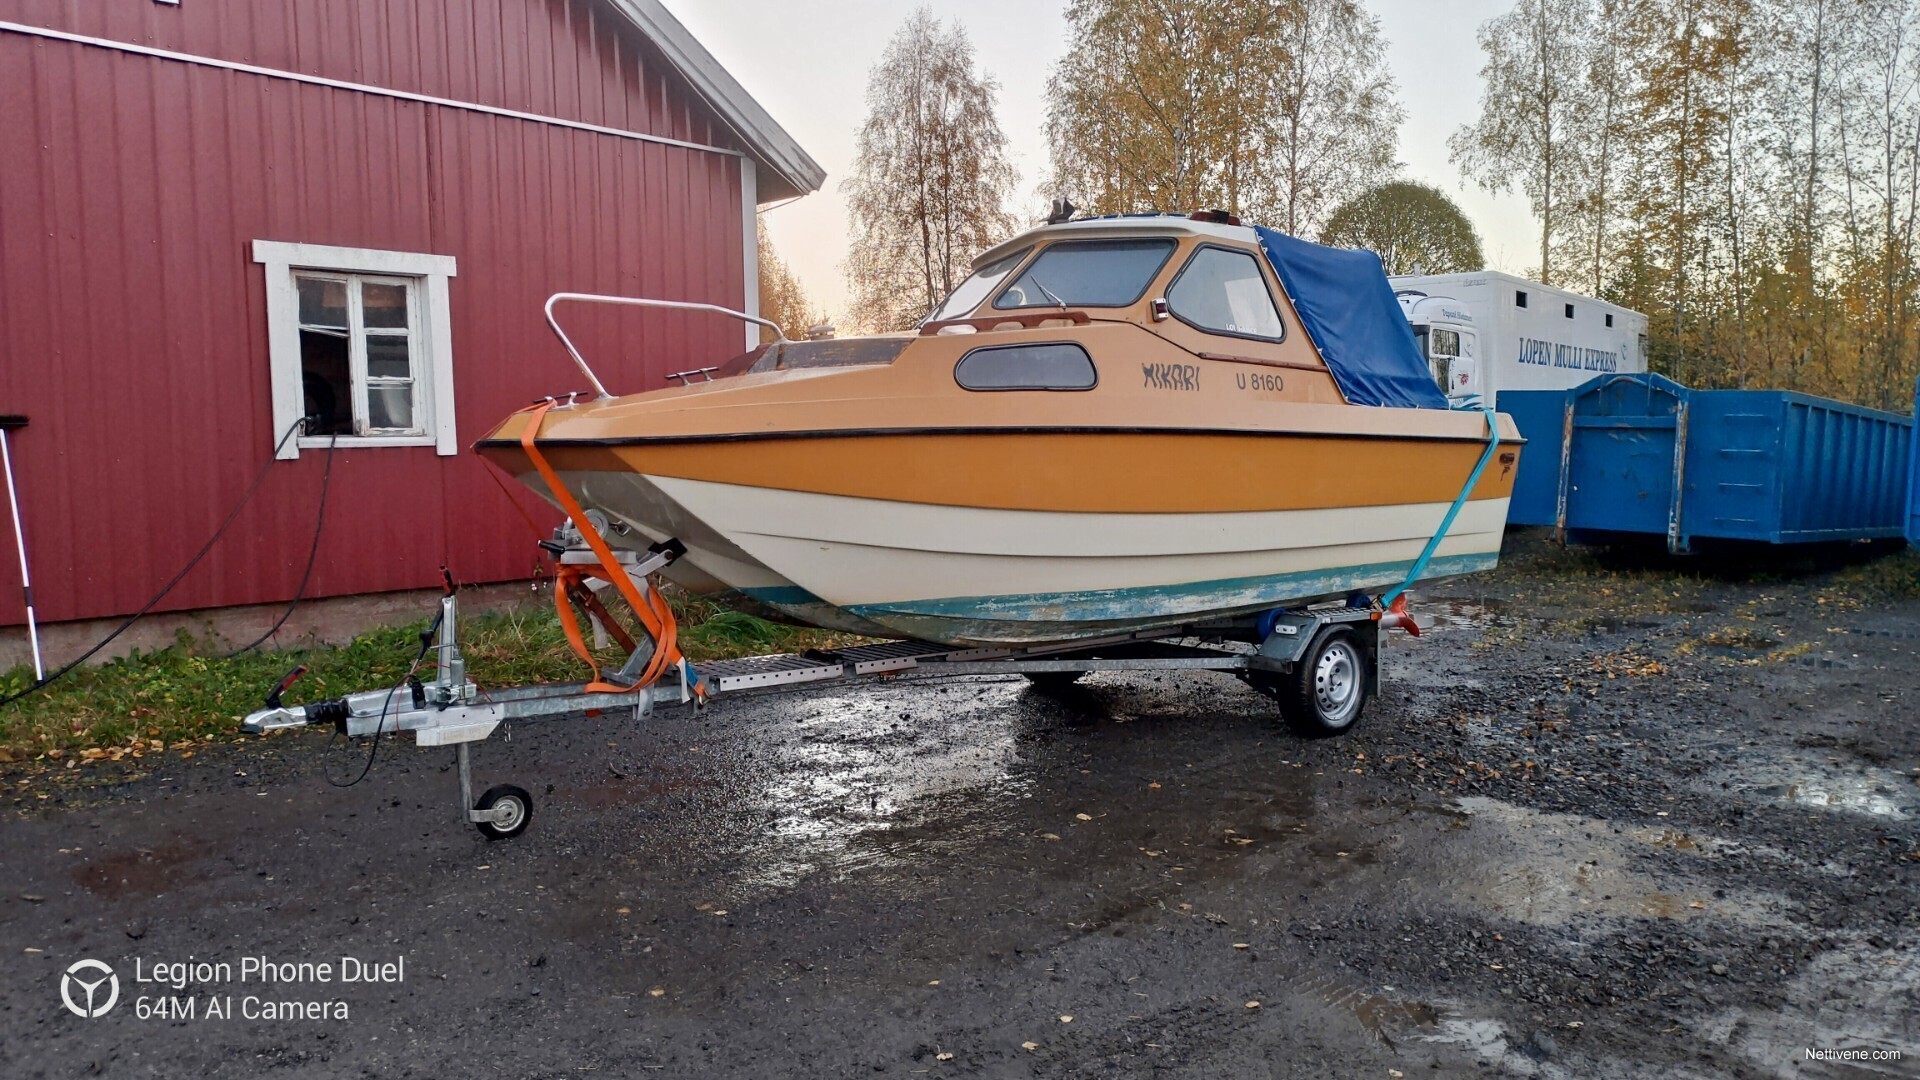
{"x":1641,"y":454}
{"x":1913,"y":474}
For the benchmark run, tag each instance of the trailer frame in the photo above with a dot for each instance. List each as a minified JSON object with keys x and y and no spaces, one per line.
{"x":452,"y":711}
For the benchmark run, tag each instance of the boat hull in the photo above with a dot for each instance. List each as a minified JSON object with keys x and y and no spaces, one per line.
{"x":792,"y":529}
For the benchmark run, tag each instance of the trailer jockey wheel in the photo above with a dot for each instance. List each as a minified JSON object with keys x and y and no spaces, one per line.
{"x":1326,"y":691}
{"x":510,"y":809}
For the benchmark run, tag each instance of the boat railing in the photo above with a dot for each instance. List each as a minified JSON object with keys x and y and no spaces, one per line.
{"x":599,"y":388}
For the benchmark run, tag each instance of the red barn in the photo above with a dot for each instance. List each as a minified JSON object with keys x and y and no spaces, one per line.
{"x":220,"y":216}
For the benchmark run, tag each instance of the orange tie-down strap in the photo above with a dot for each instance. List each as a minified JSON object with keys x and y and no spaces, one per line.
{"x":651,"y":609}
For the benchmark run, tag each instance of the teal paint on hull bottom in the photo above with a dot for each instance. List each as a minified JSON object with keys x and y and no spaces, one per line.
{"x":1048,"y":617}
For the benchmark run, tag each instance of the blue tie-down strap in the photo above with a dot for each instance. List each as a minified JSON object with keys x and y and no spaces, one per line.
{"x":1446,"y":523}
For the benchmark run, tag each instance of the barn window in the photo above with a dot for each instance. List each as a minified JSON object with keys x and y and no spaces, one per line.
{"x":359,"y":344}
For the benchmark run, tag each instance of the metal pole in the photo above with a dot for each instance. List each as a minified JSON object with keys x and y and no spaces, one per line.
{"x":20,"y":543}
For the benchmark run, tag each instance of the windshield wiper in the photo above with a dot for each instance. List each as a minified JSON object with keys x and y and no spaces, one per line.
{"x":1038,"y":284}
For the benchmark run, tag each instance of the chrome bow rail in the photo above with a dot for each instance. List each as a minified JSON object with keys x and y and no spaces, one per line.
{"x":599,"y":388}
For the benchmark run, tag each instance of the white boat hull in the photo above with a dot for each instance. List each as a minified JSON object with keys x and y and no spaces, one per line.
{"x":971,"y":575}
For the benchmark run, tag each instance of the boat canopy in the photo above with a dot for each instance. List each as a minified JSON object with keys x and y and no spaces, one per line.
{"x":1349,"y":311}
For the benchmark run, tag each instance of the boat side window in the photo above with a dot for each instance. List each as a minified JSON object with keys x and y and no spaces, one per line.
{"x":1222,"y":291}
{"x":977,"y":286}
{"x":1054,"y":366}
{"x":1088,"y":273}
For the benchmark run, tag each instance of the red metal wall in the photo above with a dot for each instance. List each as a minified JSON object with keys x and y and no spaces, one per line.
{"x":132,"y":316}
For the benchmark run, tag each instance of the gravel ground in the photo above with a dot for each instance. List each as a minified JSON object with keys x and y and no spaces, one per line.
{"x":1602,"y":822}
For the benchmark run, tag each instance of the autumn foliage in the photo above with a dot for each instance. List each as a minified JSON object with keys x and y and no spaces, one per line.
{"x":1745,"y":171}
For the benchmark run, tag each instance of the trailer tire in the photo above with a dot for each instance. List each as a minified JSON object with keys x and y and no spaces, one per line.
{"x":1326,"y":691}
{"x":514,"y":808}
{"x":1053,"y":680}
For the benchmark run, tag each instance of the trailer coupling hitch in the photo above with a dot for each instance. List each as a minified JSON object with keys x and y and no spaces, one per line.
{"x":276,"y":715}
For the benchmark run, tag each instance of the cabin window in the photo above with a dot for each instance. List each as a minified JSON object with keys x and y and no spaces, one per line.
{"x":360,"y":347}
{"x":1088,"y":273}
{"x":1054,"y":366}
{"x":977,"y":287}
{"x":1222,"y":291}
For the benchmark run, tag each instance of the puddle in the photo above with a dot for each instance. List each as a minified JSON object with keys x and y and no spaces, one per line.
{"x":1549,"y":869}
{"x":1493,"y":1044}
{"x":1877,"y":793}
{"x":864,"y":788}
{"x":1381,"y":1012}
{"x":1854,"y":998}
{"x":1849,"y":794}
{"x":1442,"y":614}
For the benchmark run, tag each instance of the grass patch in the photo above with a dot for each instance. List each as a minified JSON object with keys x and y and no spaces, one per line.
{"x":187,"y":693}
{"x":1889,"y":577}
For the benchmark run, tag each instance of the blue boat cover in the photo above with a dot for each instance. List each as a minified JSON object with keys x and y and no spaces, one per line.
{"x":1350,"y":313}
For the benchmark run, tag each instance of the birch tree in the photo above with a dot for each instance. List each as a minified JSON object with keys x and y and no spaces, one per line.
{"x":1275,"y":113}
{"x":1338,"y":119}
{"x":1600,"y":132}
{"x":782,"y":299}
{"x":1747,"y":172}
{"x":1533,"y":89}
{"x":930,"y":179}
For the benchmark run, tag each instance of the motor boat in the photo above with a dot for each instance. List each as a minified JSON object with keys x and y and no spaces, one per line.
{"x":1113,"y":425}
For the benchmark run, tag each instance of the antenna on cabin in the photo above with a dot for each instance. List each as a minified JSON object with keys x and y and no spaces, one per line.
{"x":1062,"y":212}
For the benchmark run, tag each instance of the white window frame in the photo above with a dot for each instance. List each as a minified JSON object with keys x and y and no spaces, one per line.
{"x":432,"y":342}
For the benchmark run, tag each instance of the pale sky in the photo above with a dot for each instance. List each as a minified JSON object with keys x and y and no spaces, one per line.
{"x":807,"y":63}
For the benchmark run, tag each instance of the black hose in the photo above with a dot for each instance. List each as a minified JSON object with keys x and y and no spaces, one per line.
{"x":373,"y":749}
{"x":313,"y":551}
{"x":177,"y":578}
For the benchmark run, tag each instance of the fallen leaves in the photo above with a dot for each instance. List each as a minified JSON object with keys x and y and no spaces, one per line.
{"x":1253,"y":1005}
{"x":1083,"y":817}
{"x":658,"y":991}
{"x":1241,"y":945}
{"x":1029,"y":1046}
{"x":1066,"y":1018}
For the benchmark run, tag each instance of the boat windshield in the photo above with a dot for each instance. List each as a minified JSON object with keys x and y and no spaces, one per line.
{"x":1089,"y":273}
{"x":792,"y":355}
{"x":977,"y":286}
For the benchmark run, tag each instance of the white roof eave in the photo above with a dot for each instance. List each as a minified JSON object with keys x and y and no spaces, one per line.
{"x":794,"y":172}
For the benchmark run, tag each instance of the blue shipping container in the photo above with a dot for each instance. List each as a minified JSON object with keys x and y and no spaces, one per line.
{"x":1642,"y":454}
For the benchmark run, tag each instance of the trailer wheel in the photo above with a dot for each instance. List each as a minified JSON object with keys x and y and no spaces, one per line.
{"x":1326,"y":691}
{"x":1053,"y":680}
{"x":511,"y":809}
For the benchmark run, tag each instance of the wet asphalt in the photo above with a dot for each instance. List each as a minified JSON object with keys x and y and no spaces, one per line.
{"x":1581,"y":834}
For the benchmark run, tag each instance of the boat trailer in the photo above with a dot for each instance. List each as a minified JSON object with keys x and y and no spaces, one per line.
{"x":1320,"y":663}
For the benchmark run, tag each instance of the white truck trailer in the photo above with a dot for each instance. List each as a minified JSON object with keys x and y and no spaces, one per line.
{"x":1485,"y":332}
